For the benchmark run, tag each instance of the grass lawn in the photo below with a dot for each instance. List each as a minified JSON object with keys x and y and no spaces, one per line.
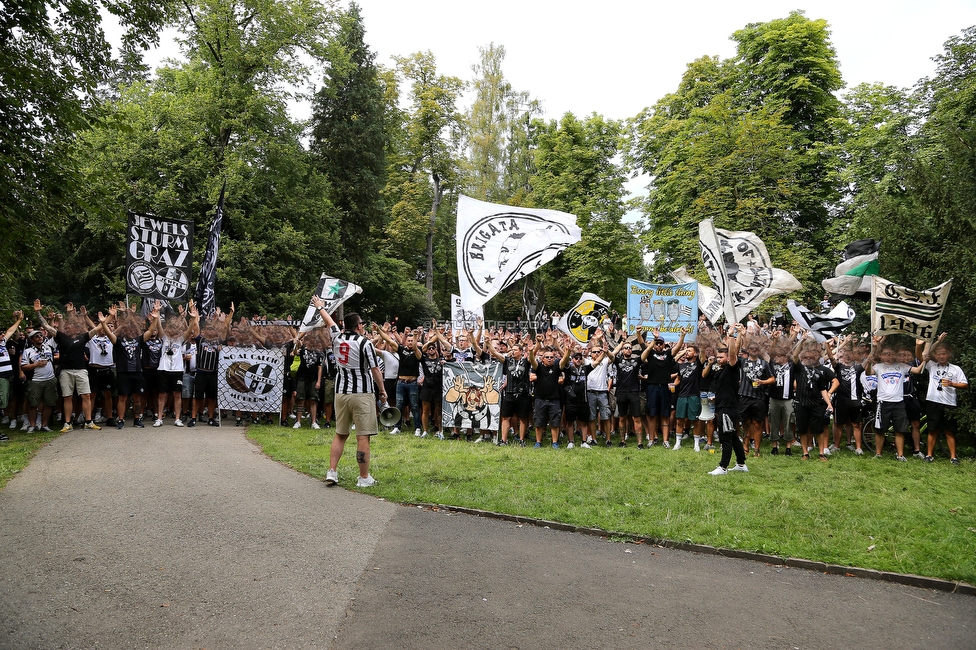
{"x":914,"y":517}
{"x":18,"y":451}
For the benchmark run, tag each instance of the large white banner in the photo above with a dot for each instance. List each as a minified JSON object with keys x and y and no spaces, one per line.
{"x":741,"y":269}
{"x":500,"y":244}
{"x":250,"y":379}
{"x":900,"y":310}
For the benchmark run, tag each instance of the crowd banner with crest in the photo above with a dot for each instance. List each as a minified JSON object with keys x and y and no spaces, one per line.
{"x":471,"y":398}
{"x":670,"y":308}
{"x":250,"y":379}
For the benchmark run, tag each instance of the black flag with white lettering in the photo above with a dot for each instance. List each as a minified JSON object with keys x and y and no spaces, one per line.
{"x":158,"y":257}
{"x":204,"y":295}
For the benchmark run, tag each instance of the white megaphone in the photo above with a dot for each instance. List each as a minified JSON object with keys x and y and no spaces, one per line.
{"x":707,"y":412}
{"x":389,"y":415}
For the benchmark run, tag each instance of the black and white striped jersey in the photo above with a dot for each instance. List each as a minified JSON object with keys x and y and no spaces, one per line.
{"x":355,"y":356}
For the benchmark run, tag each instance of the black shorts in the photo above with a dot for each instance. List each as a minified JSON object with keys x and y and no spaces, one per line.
{"x":431,"y":393}
{"x":629,"y":404}
{"x":941,"y":417}
{"x":847,"y":412}
{"x":810,"y":419}
{"x":913,"y":410}
{"x":752,"y":409}
{"x":130,"y":383}
{"x":891,"y":414}
{"x":578,"y":411}
{"x":101,"y":379}
{"x":151,"y":375}
{"x":205,"y":385}
{"x":512,"y":405}
{"x":169,"y":382}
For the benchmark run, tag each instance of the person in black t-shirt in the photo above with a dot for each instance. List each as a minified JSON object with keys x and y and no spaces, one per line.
{"x":725,"y":383}
{"x":753,"y":395}
{"x":408,"y":390}
{"x":815,"y":384}
{"x":688,"y":407}
{"x":847,"y":399}
{"x":627,"y":383}
{"x":547,"y":378}
{"x":660,"y":369}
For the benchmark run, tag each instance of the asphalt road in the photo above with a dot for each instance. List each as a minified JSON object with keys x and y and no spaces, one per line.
{"x":191,"y":538}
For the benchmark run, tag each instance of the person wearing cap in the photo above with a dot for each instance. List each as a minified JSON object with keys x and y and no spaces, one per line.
{"x":37,"y":362}
{"x":661,"y":370}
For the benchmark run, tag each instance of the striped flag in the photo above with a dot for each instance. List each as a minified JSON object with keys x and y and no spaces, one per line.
{"x":853,"y":275}
{"x":900,"y":310}
{"x":822,"y":326}
{"x":205,"y":294}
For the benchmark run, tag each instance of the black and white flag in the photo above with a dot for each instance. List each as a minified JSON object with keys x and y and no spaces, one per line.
{"x":464,"y":319}
{"x":822,"y":326}
{"x":500,"y":244}
{"x":741,"y":269}
{"x":584,"y":318}
{"x":900,"y":310}
{"x":334,"y":292}
{"x":158,"y":257}
{"x":204,"y":295}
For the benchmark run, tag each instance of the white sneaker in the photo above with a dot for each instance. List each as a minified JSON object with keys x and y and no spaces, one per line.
{"x":178,"y":422}
{"x":26,"y":425}
{"x":419,"y":433}
{"x":291,"y":416}
{"x":369,"y":481}
{"x":331,"y":477}
{"x":440,"y":435}
{"x":13,"y":423}
{"x":859,"y":452}
{"x":677,"y":446}
{"x":826,"y":452}
{"x":667,"y":445}
{"x":584,"y":445}
{"x":158,"y":423}
{"x":315,"y":425}
{"x":739,"y":468}
{"x":297,"y":425}
{"x":569,"y":446}
{"x":5,"y":420}
{"x":31,"y":429}
{"x":395,"y":431}
{"x":919,"y":454}
{"x":832,"y":448}
{"x":99,"y":419}
{"x":719,"y":471}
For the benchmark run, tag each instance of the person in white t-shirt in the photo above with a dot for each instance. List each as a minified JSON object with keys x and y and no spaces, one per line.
{"x":945,"y":379}
{"x":891,"y":395}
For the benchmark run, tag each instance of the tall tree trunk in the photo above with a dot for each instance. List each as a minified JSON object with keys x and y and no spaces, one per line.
{"x":430,"y":236}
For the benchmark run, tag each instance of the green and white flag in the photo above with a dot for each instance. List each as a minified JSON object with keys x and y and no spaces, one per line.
{"x":853,"y":275}
{"x":334,"y":292}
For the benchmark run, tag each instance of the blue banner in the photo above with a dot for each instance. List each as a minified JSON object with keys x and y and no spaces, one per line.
{"x":669,"y":308}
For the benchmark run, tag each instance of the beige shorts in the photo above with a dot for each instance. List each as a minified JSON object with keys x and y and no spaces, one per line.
{"x":73,"y":381}
{"x":358,"y":408}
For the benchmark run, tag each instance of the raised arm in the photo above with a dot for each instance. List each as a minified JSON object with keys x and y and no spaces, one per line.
{"x":319,"y":305}
{"x":18,"y":317}
{"x":40,"y":317}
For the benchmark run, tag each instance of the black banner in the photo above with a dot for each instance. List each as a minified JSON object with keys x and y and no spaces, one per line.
{"x":158,"y":257}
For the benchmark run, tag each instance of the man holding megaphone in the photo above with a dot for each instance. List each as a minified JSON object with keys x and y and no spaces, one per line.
{"x":359,"y":376}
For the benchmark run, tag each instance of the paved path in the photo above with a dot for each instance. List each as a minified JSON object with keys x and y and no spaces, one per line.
{"x":191,"y":538}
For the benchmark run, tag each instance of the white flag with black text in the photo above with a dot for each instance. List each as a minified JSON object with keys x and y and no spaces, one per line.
{"x":500,"y":244}
{"x":900,"y":310}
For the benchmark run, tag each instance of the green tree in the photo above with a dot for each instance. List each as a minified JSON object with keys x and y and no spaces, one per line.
{"x":53,"y":56}
{"x":349,"y":137}
{"x":578,"y":172}
{"x":428,"y":166}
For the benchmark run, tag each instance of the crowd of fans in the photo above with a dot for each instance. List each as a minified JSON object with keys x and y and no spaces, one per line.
{"x":754,"y":388}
